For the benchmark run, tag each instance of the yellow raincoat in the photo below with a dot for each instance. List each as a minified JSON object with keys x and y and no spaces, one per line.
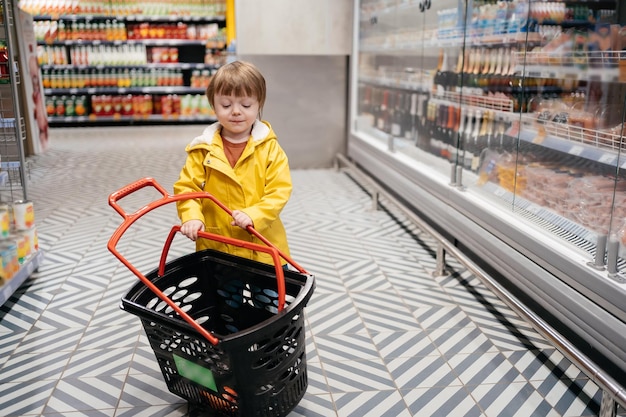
{"x":259,"y":185}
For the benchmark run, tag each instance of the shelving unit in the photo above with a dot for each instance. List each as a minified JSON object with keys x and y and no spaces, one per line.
{"x":500,"y":123}
{"x":160,"y":59}
{"x":13,"y":171}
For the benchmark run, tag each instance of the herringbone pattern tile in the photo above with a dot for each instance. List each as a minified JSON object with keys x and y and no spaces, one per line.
{"x":384,"y":336}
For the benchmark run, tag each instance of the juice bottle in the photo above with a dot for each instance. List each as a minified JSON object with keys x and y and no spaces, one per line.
{"x":127,"y":105}
{"x":80,"y":106}
{"x":96,"y":105}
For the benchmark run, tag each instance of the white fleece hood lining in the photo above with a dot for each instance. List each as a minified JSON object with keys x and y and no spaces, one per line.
{"x":259,"y":131}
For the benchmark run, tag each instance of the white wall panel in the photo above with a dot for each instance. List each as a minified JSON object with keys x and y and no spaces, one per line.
{"x":306,"y":105}
{"x":294,"y":27}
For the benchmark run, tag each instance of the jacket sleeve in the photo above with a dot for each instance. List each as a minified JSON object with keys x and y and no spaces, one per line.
{"x":191,"y":179}
{"x":276,"y":191}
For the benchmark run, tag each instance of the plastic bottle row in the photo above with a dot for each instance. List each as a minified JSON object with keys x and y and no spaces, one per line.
{"x":113,"y":30}
{"x":112,"y":78}
{"x":94,"y":55}
{"x":557,"y":12}
{"x":61,"y":31}
{"x":130,"y":105}
{"x":484,"y":19}
{"x":200,"y":8}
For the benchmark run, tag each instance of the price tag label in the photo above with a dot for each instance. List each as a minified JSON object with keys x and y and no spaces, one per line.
{"x":607,"y":158}
{"x":576,"y":150}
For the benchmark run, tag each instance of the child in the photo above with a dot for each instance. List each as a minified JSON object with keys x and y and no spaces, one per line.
{"x":239,"y":161}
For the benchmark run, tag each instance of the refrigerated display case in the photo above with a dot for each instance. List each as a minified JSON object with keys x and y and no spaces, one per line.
{"x":500,"y":123}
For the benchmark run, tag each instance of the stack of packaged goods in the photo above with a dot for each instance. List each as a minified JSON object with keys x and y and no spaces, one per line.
{"x":19,"y":236}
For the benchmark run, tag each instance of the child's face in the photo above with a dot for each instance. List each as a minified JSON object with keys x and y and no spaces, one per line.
{"x":236,"y":115}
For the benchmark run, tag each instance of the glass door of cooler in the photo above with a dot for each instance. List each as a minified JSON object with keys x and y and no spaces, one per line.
{"x":445,"y":55}
{"x":400,"y":63}
{"x":550,"y":136}
{"x":390,"y":80}
{"x":489,"y":90}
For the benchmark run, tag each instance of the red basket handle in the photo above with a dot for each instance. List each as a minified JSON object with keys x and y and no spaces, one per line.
{"x":129,"y":219}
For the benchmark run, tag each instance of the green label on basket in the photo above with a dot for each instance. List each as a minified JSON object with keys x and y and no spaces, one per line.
{"x":195,"y":373}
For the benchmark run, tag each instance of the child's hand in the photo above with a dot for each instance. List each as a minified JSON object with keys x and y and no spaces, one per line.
{"x":191,"y":228}
{"x":241,"y":219}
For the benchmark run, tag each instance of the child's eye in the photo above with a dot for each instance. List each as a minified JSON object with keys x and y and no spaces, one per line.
{"x":247,"y":106}
{"x":226,"y":106}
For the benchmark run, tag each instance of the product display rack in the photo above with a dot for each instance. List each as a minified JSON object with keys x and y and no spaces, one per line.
{"x":142,"y":65}
{"x":501,"y":124}
{"x":13,"y":173}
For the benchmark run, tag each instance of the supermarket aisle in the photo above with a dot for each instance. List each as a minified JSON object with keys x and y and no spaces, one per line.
{"x":384,"y":337}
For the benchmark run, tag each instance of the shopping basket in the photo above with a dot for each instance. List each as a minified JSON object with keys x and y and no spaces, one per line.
{"x":227,"y":332}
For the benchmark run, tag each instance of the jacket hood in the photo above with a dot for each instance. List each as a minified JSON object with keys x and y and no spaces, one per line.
{"x":261,"y":130}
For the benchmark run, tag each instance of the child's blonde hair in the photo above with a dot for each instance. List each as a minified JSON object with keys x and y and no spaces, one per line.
{"x":240,"y":79}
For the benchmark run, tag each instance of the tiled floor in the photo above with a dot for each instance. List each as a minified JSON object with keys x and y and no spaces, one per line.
{"x":384,"y":336}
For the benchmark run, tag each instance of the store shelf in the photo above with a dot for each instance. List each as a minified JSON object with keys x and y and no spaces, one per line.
{"x":588,"y":66}
{"x":130,"y":90}
{"x":413,"y":41}
{"x":603,"y":140}
{"x":153,"y":118}
{"x":502,"y":105}
{"x":575,"y":141}
{"x":26,"y":269}
{"x":164,"y":65}
{"x":133,"y":18}
{"x":147,"y":42}
{"x":425,"y":85}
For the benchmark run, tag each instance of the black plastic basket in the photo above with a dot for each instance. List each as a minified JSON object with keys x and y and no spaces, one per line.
{"x":228,"y":333}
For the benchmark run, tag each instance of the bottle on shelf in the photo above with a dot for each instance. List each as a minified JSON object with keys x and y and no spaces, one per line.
{"x":450,"y":132}
{"x":414,"y":113}
{"x":408,"y":121}
{"x":466,"y":135}
{"x":473,"y":142}
{"x":427,"y":141}
{"x":482,"y":140}
{"x":383,"y":112}
{"x":397,"y":118}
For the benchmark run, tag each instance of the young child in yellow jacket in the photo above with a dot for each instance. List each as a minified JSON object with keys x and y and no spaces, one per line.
{"x":237,"y":159}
